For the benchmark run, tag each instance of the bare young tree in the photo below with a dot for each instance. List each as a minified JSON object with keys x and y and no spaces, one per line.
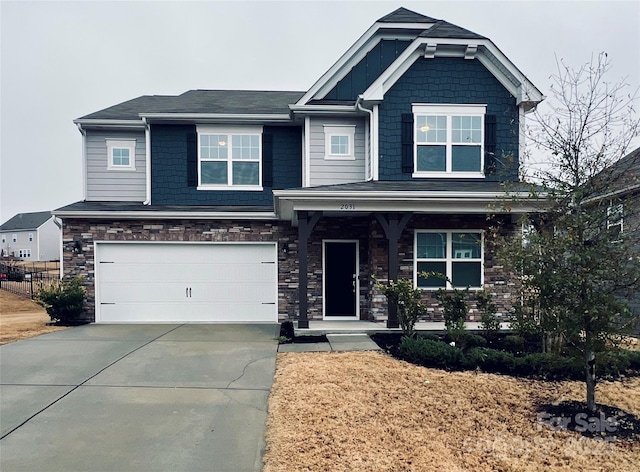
{"x":579,"y":269}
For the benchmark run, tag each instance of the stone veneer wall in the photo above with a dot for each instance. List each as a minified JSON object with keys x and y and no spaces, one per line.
{"x":90,"y":231}
{"x":495,"y":276}
{"x":366,"y":230}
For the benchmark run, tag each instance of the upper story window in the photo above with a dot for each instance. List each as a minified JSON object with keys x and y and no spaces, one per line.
{"x":448,"y":140}
{"x":30,"y":237}
{"x":339,"y":142}
{"x":229,"y":157}
{"x":14,"y":238}
{"x":121,"y":154}
{"x":4,"y":239}
{"x":615,"y":220}
{"x":456,"y":255}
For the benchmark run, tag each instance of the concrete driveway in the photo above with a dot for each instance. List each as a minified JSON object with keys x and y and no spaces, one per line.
{"x":137,"y":398}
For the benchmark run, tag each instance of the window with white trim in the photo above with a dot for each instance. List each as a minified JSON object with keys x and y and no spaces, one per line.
{"x":26,"y":253}
{"x":30,"y":237}
{"x":339,"y":142}
{"x":14,"y":238}
{"x":456,"y":255}
{"x":229,"y":157}
{"x":121,"y":154}
{"x":615,"y":220}
{"x":4,"y":239}
{"x":448,"y":140}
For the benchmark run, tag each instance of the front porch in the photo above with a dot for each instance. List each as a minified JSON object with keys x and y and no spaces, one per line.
{"x":323,"y":327}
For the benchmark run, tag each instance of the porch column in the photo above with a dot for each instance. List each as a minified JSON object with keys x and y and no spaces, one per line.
{"x":393,"y":224}
{"x":306,"y":223}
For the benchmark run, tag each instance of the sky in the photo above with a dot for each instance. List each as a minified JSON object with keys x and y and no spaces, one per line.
{"x":63,"y":60}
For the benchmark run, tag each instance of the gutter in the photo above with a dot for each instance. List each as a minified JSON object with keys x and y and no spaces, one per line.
{"x":147,"y":160}
{"x":218,"y":117}
{"x":157,"y":215}
{"x":373,"y":149}
{"x":83,"y":132}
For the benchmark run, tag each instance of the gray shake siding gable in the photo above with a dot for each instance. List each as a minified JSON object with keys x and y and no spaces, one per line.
{"x":114,"y":185}
{"x":328,"y":172}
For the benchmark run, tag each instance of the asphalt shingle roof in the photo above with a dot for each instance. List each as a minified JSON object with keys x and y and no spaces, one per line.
{"x":423,"y":185}
{"x":403,"y":15}
{"x":93,"y":207}
{"x":444,"y":29}
{"x":26,"y":221}
{"x":202,"y":101}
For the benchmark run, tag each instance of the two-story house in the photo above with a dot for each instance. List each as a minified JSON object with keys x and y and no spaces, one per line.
{"x":259,"y":206}
{"x":622,"y":199}
{"x":31,"y":237}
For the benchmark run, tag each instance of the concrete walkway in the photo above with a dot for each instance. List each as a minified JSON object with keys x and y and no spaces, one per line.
{"x":336,"y":342}
{"x":137,"y":398}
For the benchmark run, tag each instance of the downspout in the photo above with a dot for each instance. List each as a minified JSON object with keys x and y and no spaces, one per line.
{"x":147,"y":157}
{"x":372,"y":152}
{"x":83,"y":132}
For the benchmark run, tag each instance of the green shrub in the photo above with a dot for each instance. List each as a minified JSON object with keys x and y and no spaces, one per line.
{"x":429,"y":336}
{"x":634,"y":360}
{"x":454,"y":309}
{"x":63,"y":300}
{"x":489,"y":321}
{"x":551,"y":367}
{"x":407,"y":300}
{"x":467,"y":341}
{"x":430,"y":353}
{"x":491,"y":360}
{"x":287,"y":332}
{"x":514,"y":344}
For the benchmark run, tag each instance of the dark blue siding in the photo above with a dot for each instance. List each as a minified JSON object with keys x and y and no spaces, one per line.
{"x":169,"y":168}
{"x":367,"y":70}
{"x":448,"y":80}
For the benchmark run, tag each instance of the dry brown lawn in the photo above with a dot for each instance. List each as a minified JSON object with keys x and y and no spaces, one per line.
{"x":22,"y":318}
{"x":365,"y":411}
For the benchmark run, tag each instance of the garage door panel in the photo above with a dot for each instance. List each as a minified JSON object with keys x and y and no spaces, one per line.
{"x":150,"y":282}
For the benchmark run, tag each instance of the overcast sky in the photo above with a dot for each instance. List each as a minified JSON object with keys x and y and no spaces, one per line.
{"x":63,"y":60}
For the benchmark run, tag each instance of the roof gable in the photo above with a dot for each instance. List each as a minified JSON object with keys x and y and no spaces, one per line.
{"x":430,"y":38}
{"x":403,"y":15}
{"x":26,"y":221}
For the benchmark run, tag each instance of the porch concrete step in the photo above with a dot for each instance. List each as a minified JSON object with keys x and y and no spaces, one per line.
{"x":352,"y":342}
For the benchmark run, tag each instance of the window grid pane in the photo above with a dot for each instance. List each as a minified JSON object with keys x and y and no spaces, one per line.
{"x":431,"y":129}
{"x":457,"y":255}
{"x":245,"y":147}
{"x":214,"y":146}
{"x":340,"y":145}
{"x":120,"y":157}
{"x":466,"y":129}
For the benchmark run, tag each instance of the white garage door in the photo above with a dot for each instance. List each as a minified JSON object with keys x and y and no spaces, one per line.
{"x":164,"y":282}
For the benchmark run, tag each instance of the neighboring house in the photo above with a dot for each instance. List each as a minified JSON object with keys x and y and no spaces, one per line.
{"x":31,"y":237}
{"x":623,"y":201}
{"x":258,"y":206}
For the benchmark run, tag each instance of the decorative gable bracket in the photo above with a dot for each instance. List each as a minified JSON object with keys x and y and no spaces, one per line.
{"x":470,"y":52}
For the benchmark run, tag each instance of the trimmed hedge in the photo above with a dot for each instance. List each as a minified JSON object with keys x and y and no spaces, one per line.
{"x":430,"y":353}
{"x":438,"y":354}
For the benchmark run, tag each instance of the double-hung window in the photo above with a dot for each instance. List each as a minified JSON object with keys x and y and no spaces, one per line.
{"x":448,"y":140}
{"x":448,"y":259}
{"x":229,"y":157}
{"x":339,"y":142}
{"x":615,"y":220}
{"x":121,"y":154}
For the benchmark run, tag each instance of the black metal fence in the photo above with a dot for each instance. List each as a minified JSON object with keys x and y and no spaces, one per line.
{"x":26,"y":279}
